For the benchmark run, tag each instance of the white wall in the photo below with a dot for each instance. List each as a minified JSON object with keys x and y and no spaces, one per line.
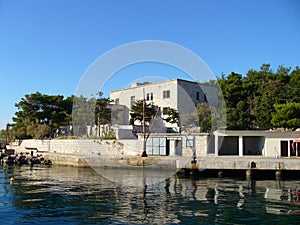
{"x":182,"y":95}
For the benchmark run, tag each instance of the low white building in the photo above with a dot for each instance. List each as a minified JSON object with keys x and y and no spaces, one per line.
{"x":264,"y":143}
{"x":182,"y":95}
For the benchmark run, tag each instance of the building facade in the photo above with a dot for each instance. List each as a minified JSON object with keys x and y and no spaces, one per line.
{"x":182,"y":95}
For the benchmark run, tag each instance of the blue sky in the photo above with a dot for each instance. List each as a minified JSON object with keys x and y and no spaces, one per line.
{"x":47,"y":46}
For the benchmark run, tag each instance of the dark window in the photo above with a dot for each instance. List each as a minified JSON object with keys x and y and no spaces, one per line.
{"x":149,"y":96}
{"x":198,"y":96}
{"x":117,"y":101}
{"x":165,"y":110}
{"x":166,"y":94}
{"x":205,"y":98}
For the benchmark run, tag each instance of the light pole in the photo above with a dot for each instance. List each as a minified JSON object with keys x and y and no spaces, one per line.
{"x":144,"y":154}
{"x":50,"y":124}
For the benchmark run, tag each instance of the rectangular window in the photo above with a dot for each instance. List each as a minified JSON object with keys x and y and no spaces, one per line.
{"x":132,"y":100}
{"x":166,"y":94}
{"x":156,"y":146}
{"x":117,"y":101}
{"x":205,"y":98}
{"x":198,"y":96}
{"x":190,"y":142}
{"x":165,"y":110}
{"x":149,"y":96}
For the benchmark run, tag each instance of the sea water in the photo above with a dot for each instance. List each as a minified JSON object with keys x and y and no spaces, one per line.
{"x":68,"y":195}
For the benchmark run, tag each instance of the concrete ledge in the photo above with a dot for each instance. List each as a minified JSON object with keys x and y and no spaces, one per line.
{"x":243,"y":163}
{"x":74,"y":160}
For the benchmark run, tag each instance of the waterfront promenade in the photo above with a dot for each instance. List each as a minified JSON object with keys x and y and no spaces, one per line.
{"x":220,"y":165}
{"x":110,"y":154}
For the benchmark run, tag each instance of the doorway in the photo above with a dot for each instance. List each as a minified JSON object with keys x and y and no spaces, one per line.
{"x":284,"y":145}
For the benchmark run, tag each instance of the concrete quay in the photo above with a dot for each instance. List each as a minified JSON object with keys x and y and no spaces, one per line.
{"x":247,"y":162}
{"x":112,"y":154}
{"x":254,"y":166}
{"x":211,"y":162}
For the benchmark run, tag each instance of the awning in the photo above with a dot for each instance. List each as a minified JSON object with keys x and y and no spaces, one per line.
{"x":297,"y":140}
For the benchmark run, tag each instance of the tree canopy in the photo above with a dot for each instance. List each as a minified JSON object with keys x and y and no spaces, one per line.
{"x":286,"y":115}
{"x":255,"y":101}
{"x":136,"y":113}
{"x":38,"y":112}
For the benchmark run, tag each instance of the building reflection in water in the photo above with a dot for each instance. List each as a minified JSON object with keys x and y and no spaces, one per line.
{"x":83,"y":195}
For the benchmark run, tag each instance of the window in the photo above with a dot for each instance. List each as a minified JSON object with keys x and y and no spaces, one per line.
{"x":165,"y":110}
{"x":190,"y":142}
{"x":198,"y":96}
{"x":205,"y":98}
{"x":166,"y":94}
{"x":156,"y":146}
{"x":149,"y":96}
{"x":117,"y":101}
{"x":132,"y":100}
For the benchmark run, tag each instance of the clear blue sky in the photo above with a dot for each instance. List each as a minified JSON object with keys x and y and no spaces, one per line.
{"x":47,"y":46}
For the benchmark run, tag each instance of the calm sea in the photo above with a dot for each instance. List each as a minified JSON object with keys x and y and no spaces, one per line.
{"x":66,"y":195}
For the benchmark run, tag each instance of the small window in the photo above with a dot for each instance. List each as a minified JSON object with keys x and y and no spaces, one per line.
{"x":165,"y":110}
{"x":149,"y":96}
{"x":198,"y":96}
{"x":190,"y":142}
{"x":117,"y":101}
{"x":205,"y":98}
{"x":166,"y":94}
{"x":132,"y":100}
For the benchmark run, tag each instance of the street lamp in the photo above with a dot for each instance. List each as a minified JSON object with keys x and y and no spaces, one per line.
{"x":50,"y":124}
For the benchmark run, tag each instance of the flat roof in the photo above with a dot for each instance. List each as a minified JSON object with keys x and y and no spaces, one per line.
{"x":160,"y":82}
{"x":269,"y":133}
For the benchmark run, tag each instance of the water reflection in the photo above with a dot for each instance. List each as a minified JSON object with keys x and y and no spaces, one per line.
{"x":65,"y":195}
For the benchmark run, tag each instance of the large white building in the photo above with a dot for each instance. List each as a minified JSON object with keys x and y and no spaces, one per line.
{"x":182,"y":95}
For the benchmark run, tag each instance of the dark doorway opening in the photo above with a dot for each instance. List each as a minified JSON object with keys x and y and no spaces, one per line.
{"x":284,"y":148}
{"x":168,"y":147}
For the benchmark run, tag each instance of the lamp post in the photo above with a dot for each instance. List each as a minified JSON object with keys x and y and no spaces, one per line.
{"x":50,"y":124}
{"x":144,"y":154}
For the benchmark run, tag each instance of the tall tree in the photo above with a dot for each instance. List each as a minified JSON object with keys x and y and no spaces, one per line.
{"x":294,"y":86}
{"x":204,"y":115}
{"x":137,"y":112}
{"x":235,"y":96}
{"x":172,"y":116}
{"x":38,"y":109}
{"x":102,"y":110}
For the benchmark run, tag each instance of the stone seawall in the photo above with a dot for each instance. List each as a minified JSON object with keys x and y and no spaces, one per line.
{"x":73,"y":152}
{"x":77,"y":146}
{"x":78,"y":152}
{"x":66,"y":159}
